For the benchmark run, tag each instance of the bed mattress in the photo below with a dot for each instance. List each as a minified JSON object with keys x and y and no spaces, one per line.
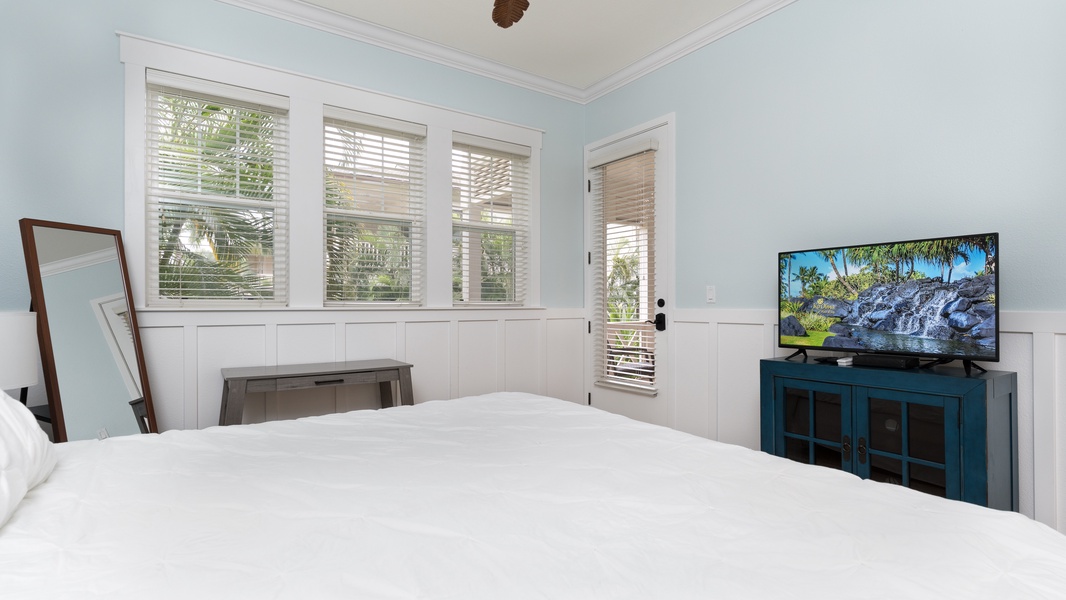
{"x":504,"y":496}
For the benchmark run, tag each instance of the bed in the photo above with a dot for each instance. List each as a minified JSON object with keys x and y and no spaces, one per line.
{"x":503,"y":496}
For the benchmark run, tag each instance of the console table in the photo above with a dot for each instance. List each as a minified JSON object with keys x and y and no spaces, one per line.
{"x":239,"y":381}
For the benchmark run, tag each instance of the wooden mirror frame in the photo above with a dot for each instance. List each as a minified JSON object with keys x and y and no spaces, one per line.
{"x":143,"y":412}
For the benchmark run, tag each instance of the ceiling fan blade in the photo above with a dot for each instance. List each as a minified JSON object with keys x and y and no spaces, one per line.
{"x":507,"y":12}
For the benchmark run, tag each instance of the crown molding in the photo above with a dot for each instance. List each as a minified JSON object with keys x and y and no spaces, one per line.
{"x":74,"y":263}
{"x":297,"y":11}
{"x":736,"y":19}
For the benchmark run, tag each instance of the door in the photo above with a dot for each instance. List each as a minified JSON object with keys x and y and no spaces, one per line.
{"x":815,"y":422}
{"x":909,"y":439}
{"x":630,"y":210}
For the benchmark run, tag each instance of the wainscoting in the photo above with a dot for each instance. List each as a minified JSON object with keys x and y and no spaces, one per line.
{"x":454,"y":352}
{"x":712,"y":389}
{"x":716,"y":384}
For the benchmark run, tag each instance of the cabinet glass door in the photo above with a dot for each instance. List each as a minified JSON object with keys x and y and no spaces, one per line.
{"x":816,"y":417}
{"x":908,"y":439}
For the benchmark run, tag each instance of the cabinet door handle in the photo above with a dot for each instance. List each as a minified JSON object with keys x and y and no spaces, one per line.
{"x":845,"y":448}
{"x":862,"y":451}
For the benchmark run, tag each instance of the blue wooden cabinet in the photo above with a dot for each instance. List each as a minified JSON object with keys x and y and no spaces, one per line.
{"x":937,"y":430}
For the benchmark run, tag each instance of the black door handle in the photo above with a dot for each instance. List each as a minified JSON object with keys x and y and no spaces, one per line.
{"x":660,"y":318}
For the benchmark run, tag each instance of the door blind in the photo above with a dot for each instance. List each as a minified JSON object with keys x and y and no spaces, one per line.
{"x":623,"y":215}
{"x":490,"y":224}
{"x":217,"y":198}
{"x":374,"y":212}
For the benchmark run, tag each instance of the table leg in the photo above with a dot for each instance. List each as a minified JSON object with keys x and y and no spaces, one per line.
{"x":232,"y":410}
{"x":406,"y":393}
{"x":387,"y":400}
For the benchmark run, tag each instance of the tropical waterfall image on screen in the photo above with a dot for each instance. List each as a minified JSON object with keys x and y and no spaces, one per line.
{"x":933,"y":297}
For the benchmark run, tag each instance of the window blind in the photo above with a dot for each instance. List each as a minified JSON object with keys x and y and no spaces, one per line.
{"x":490,"y":222}
{"x":217,"y":195}
{"x":623,"y":215}
{"x":374,"y":210}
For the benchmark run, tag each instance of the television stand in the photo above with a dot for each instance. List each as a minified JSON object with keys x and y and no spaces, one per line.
{"x":967,"y":365}
{"x":798,"y":353}
{"x":934,"y":430}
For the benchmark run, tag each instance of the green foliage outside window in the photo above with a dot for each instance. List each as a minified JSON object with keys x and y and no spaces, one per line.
{"x":205,"y":155}
{"x":496,"y":280}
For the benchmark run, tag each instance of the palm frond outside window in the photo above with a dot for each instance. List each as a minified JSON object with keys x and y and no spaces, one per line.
{"x":217,"y":198}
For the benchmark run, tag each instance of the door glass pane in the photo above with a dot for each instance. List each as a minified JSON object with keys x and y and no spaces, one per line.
{"x":797,"y":415}
{"x":888,"y":470}
{"x":624,"y":258}
{"x":827,"y":456}
{"x":886,"y":425}
{"x":827,"y":416}
{"x":926,"y":432}
{"x":798,"y":450}
{"x":930,"y":480}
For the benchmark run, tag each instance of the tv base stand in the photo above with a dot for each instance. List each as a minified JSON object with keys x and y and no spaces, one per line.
{"x":967,"y":365}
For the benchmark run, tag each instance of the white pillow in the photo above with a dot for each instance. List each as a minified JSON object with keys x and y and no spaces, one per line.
{"x":26,"y":454}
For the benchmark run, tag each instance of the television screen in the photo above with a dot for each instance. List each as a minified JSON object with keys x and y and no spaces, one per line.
{"x":934,"y":298}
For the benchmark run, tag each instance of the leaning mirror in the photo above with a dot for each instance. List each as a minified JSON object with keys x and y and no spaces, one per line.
{"x":94,"y":369}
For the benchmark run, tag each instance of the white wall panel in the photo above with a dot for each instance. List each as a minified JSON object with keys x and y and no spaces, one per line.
{"x":1057,"y":415}
{"x":740,"y":347}
{"x":302,"y":343}
{"x":478,"y":357}
{"x":365,"y":341}
{"x":523,"y":356}
{"x":565,"y":359}
{"x":164,"y":351}
{"x":429,"y":350}
{"x":695,"y":407}
{"x":1017,"y":355}
{"x":216,"y":349}
{"x":299,"y":343}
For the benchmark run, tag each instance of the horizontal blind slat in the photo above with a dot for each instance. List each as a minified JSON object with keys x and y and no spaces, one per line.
{"x":623,"y":221}
{"x":217,"y":195}
{"x":374,"y":212}
{"x":491,"y":215}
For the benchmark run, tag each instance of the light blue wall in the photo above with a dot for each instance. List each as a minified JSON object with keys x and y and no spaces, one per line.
{"x":61,"y":113}
{"x":841,"y":122}
{"x":828,"y":122}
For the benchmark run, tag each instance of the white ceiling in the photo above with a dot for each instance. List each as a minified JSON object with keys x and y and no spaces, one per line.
{"x":575,"y":49}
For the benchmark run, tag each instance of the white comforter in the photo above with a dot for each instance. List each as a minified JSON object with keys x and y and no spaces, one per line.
{"x":506,"y":496}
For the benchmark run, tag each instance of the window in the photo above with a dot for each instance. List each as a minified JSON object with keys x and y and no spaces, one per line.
{"x":623,"y":220}
{"x":490,"y":215}
{"x":277,"y":189}
{"x":374,"y":207}
{"x":217,"y":177}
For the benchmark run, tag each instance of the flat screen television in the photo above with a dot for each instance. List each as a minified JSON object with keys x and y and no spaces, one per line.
{"x":934,"y":298}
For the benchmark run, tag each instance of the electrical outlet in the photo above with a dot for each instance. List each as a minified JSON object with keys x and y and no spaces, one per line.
{"x":712,"y":295}
{"x":101,"y":433}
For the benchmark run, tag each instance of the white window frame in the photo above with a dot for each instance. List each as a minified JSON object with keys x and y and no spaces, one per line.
{"x":278,"y":205}
{"x":308,"y":96}
{"x":518,"y":229}
{"x":414,"y":199}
